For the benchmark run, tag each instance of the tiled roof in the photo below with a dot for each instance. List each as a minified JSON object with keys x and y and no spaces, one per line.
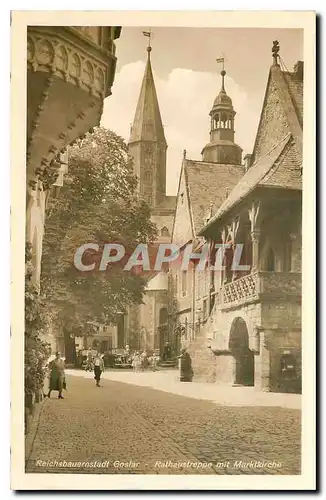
{"x":295,"y":87}
{"x":272,"y":169}
{"x":286,"y":172}
{"x":208,"y":185}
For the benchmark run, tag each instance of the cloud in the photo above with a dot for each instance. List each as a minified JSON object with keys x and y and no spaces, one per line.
{"x":185,"y":100}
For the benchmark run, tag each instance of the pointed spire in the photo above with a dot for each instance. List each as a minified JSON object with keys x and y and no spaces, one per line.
{"x":147,"y":125}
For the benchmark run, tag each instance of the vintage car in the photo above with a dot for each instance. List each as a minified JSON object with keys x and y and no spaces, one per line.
{"x":120,"y":359}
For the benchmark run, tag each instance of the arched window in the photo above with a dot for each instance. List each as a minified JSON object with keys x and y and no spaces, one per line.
{"x":270,"y":264}
{"x":165,"y":231}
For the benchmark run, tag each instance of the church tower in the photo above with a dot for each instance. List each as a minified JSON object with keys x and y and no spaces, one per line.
{"x":147,"y":143}
{"x":222,"y":148}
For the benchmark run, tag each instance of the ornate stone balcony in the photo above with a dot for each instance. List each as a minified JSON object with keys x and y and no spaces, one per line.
{"x":70,"y":70}
{"x":253,"y":288}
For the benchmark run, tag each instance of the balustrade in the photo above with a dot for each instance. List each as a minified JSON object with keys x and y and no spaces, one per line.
{"x":253,"y":286}
{"x":242,"y":289}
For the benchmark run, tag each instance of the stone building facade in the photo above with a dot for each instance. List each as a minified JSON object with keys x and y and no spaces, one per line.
{"x":70,"y":71}
{"x":145,"y":326}
{"x":246,"y":323}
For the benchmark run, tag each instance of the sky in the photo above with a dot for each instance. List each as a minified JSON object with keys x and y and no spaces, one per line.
{"x":187,"y":80}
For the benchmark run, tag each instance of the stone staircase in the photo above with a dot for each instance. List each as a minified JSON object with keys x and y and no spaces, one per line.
{"x":203,"y":359}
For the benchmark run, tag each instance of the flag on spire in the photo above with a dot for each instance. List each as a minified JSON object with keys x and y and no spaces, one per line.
{"x":147,"y":33}
{"x":220,"y":60}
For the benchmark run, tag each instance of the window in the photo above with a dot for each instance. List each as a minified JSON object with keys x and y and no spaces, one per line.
{"x":184,"y":283}
{"x":165,"y":231}
{"x":270,"y":260}
{"x":163,"y":316}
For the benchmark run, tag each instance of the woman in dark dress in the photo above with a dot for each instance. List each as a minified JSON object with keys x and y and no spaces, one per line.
{"x":186,"y":371}
{"x":57,"y":376}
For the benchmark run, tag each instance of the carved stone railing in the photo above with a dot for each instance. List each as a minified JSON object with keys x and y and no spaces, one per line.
{"x":256,"y":286}
{"x":243,"y":289}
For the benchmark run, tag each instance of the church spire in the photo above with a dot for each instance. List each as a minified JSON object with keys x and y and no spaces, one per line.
{"x":147,"y":144}
{"x":222,"y":148}
{"x":147,"y":125}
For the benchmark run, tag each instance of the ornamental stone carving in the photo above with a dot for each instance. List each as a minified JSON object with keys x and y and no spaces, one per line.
{"x":60,"y":57}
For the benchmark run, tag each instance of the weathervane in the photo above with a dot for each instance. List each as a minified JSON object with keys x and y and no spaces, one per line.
{"x":149,"y":35}
{"x":221,"y":60}
{"x":223,"y":72}
{"x":275,"y":51}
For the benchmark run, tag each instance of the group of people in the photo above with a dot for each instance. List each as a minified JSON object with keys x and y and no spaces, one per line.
{"x":140,"y":361}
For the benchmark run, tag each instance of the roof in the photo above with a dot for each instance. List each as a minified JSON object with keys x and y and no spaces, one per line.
{"x":290,"y":99}
{"x":147,"y":125}
{"x":295,"y":87}
{"x":208,"y":184}
{"x":279,"y":168}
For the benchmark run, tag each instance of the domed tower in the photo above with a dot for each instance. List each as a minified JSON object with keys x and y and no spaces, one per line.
{"x":222,"y":148}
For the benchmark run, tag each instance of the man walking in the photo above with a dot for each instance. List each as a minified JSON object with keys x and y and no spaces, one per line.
{"x":98,"y":368}
{"x":57,"y":380}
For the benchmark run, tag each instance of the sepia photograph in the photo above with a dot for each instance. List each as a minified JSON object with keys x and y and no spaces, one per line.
{"x":162,"y":196}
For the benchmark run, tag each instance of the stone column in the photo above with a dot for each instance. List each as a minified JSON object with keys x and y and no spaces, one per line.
{"x":255,"y":235}
{"x":295,"y":263}
{"x":264,"y":362}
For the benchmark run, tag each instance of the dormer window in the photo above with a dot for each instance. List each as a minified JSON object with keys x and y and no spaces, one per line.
{"x":181,"y":198}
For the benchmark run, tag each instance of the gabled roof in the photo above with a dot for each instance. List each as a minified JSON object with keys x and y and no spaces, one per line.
{"x":279,"y":168}
{"x":289,"y":103}
{"x":147,"y":125}
{"x":208,"y":184}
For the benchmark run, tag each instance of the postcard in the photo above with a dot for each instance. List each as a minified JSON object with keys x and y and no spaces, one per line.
{"x":163,"y":225}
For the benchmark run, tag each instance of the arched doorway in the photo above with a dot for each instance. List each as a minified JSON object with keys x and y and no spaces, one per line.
{"x":243,"y":356}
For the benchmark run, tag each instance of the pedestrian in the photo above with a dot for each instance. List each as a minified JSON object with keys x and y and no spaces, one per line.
{"x":57,"y":379}
{"x":144,"y":360}
{"x":154,"y":361}
{"x":167,"y":352}
{"x":136,"y":362}
{"x":98,"y":368}
{"x":186,"y":371}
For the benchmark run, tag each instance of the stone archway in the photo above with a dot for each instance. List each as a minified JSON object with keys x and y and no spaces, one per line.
{"x":244,"y":367}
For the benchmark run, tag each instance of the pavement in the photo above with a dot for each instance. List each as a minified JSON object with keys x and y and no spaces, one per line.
{"x":130,"y":428}
{"x":168,"y":381}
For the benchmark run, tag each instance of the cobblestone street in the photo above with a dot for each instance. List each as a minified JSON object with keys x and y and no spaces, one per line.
{"x":129,"y":429}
